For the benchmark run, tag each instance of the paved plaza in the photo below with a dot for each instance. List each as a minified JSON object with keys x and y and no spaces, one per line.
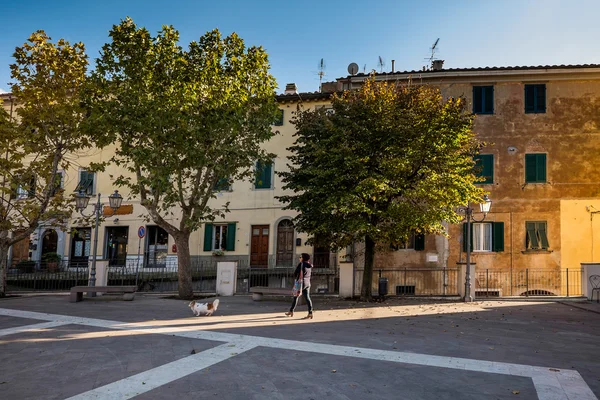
{"x":154,"y":348}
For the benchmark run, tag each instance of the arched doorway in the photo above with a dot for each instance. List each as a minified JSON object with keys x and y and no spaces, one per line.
{"x":285,"y":243}
{"x":49,"y":242}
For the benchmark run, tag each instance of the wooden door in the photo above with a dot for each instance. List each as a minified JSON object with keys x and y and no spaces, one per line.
{"x":285,"y":243}
{"x":259,"y":246}
{"x":20,"y":251}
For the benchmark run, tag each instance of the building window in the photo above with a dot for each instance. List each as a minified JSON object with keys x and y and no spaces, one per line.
{"x":278,"y":118}
{"x":24,"y":187}
{"x":482,"y":236}
{"x":485,"y":236}
{"x":86,"y":182}
{"x":483,"y":99}
{"x":219,"y":237}
{"x":328,"y":109}
{"x":222,"y":185}
{"x":535,"y":99}
{"x":264,"y":174}
{"x":156,"y":247}
{"x":537,"y":237}
{"x":407,"y":244}
{"x":484,"y":168}
{"x":535,"y":168}
{"x":116,"y":245}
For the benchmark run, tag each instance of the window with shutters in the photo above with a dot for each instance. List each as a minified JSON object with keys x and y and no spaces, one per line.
{"x":264,"y":175}
{"x":536,"y":237}
{"x":482,"y":236}
{"x":535,"y":99}
{"x":484,"y":168}
{"x":219,"y":237}
{"x":485,"y":237}
{"x":86,"y":183}
{"x":483,"y":99}
{"x":535,"y":168}
{"x":25,"y":187}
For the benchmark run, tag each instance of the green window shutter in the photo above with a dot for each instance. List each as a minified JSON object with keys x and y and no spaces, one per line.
{"x":477,"y":100}
{"x":540,"y":99}
{"x":465,"y":237}
{"x":530,"y":168}
{"x":531,"y":235}
{"x":278,"y":118}
{"x":419,"y":242}
{"x":230,"y":245}
{"x":541,"y":167}
{"x":484,"y":168}
{"x":529,"y":98}
{"x":498,"y":236}
{"x":208,"y":233}
{"x":488,"y":96}
{"x":541,"y":229}
{"x":221,"y":185}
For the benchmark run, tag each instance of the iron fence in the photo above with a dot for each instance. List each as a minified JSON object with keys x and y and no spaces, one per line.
{"x":164,"y":278}
{"x":528,"y":282}
{"x":323,"y":280}
{"x":43,"y":276}
{"x":412,"y":281}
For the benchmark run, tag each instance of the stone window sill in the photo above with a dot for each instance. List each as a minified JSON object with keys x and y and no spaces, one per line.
{"x":536,"y":251}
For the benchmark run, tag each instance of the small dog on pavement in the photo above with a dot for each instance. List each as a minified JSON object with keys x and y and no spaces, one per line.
{"x":204,"y":308}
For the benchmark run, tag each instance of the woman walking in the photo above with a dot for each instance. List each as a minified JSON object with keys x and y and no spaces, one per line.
{"x":302,"y":276}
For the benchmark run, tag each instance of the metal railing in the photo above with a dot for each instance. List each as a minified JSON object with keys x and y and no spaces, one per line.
{"x":413,"y":281}
{"x":528,"y":282}
{"x":43,"y":276}
{"x":323,"y":280}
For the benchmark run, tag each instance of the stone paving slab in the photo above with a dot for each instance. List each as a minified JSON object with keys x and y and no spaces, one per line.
{"x":533,"y":334}
{"x":265,"y":373}
{"x":12,"y":322}
{"x":64,"y":361}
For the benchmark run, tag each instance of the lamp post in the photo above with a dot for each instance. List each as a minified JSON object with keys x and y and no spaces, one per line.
{"x":484,"y":208}
{"x":81,"y":203}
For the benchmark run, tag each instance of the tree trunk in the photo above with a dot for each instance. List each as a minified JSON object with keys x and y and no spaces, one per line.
{"x":3,"y":269}
{"x":367,"y":284}
{"x":184,"y":270}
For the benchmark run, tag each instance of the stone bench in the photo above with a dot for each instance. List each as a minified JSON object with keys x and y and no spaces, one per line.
{"x":259,"y":291}
{"x":77,"y":291}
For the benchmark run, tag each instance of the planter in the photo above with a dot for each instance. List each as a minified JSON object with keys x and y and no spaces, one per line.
{"x":52,"y":266}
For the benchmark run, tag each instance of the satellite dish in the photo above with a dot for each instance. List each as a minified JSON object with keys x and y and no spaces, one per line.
{"x":353,"y":68}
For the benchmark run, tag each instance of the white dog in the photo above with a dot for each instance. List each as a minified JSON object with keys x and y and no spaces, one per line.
{"x":204,"y":308}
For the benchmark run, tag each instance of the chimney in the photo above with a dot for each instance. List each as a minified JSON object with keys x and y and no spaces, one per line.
{"x":291,"y":88}
{"x":437,"y":65}
{"x":393,"y":62}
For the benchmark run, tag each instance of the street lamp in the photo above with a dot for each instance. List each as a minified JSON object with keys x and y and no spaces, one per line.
{"x":483,"y":208}
{"x":81,"y":203}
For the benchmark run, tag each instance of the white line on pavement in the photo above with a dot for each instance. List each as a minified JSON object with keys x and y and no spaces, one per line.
{"x":550,"y":383}
{"x":155,"y":377}
{"x":31,"y":328}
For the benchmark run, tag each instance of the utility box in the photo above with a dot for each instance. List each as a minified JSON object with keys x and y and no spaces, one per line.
{"x":383,"y":287}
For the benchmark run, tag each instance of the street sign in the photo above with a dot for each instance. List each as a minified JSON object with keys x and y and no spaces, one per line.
{"x":141,"y":232}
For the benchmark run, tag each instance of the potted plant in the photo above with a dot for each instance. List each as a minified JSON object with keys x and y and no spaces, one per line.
{"x":52,"y":260}
{"x":218,"y":253}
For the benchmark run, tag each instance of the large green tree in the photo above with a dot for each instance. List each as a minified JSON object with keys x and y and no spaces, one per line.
{"x":182,"y":120}
{"x":390,"y":160}
{"x":39,"y":135}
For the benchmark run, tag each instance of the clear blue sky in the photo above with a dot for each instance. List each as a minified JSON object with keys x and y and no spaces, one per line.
{"x":297,"y":34}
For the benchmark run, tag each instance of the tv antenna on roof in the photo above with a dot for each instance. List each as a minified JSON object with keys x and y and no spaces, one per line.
{"x":381,"y":64}
{"x":321,"y":72}
{"x":433,"y":50}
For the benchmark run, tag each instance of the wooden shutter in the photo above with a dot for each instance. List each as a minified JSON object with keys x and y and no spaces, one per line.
{"x":541,"y":230}
{"x":419,"y":242}
{"x":540,"y":168}
{"x":529,"y":98}
{"x":279,"y":118}
{"x":487,"y":161}
{"x":530,"y":168}
{"x":465,"y":237}
{"x":488,"y":99}
{"x":531,"y":235}
{"x":498,"y":236}
{"x":263,"y":175}
{"x":540,"y":98}
{"x":477,"y":100}
{"x":230,"y":245}
{"x":208,"y":233}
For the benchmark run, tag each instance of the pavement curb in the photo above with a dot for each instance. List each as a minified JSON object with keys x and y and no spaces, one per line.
{"x":575,"y":305}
